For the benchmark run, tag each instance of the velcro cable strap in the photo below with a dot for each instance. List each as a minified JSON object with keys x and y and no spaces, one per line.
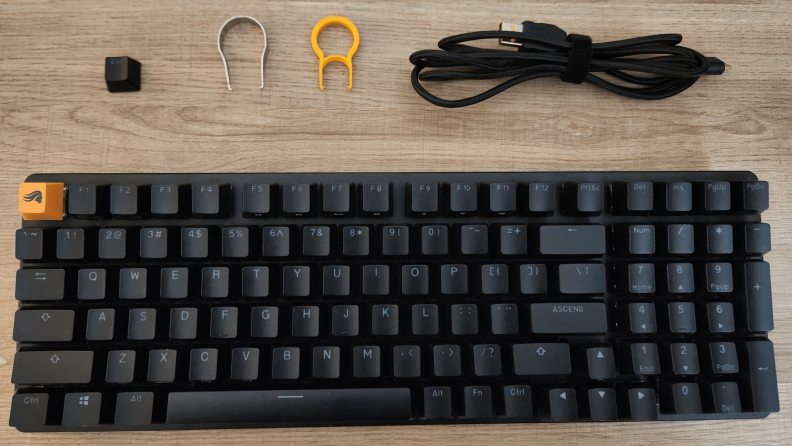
{"x":579,"y":59}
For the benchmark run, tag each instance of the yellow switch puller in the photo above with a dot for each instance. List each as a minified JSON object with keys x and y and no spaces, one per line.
{"x":41,"y":201}
{"x":323,"y":61}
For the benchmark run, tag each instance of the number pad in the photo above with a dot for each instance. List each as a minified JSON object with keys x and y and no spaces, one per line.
{"x":719,"y":278}
{"x":684,"y":359}
{"x":680,"y":278}
{"x":721,"y":317}
{"x":682,"y":317}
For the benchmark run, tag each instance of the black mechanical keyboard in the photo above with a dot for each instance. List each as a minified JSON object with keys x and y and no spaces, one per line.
{"x":188,"y":301}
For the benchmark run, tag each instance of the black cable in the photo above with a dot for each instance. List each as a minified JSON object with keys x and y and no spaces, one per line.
{"x":543,"y":53}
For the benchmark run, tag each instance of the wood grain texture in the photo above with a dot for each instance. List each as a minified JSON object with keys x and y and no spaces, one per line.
{"x":57,"y":116}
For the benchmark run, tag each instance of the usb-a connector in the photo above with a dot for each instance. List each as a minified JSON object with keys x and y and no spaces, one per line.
{"x":531,"y":29}
{"x":516,"y":27}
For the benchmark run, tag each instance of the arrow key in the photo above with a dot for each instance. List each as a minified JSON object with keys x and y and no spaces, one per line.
{"x":684,"y":359}
{"x":602,"y":403}
{"x":721,"y":317}
{"x":642,"y":318}
{"x":563,"y":405}
{"x":600,"y":363}
{"x":643,"y":404}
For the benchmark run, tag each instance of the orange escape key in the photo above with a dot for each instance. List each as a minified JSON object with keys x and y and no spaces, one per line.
{"x":41,"y":201}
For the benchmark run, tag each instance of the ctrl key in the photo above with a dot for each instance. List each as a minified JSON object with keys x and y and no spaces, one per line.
{"x":28,"y":409}
{"x":134,"y":408}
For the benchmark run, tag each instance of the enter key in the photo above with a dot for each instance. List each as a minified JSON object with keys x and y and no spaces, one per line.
{"x":568,"y":318}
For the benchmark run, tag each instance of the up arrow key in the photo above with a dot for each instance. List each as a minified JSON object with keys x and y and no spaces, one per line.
{"x":600,"y":355}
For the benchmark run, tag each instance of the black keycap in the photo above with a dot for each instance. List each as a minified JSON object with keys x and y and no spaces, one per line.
{"x":235,"y":242}
{"x":642,"y":318}
{"x":206,"y":199}
{"x":424,"y":198}
{"x":335,"y":281}
{"x":590,"y":197}
{"x":335,"y":198}
{"x":721,"y":317}
{"x":504,"y":319}
{"x":376,"y":198}
{"x":255,"y":281}
{"x":680,"y":239}
{"x":203,"y":364}
{"x":161,"y":366}
{"x":757,"y":238}
{"x":518,"y":401}
{"x":395,"y":240}
{"x":758,"y":296}
{"x":495,"y":279}
{"x":680,"y":278}
{"x":453,"y":279}
{"x":244,"y":363}
{"x":719,"y":278}
{"x":100,"y":324}
{"x":437,"y":403}
{"x":385,"y":320}
{"x":487,"y":360}
{"x":727,"y":397}
{"x":264,"y":322}
{"x":356,"y":240}
{"x":717,"y":196}
{"x":686,"y":398}
{"x":600,"y":363}
{"x":345,"y":320}
{"x":582,"y":278}
{"x":174,"y":283}
{"x":153,"y":243}
{"x":275,"y":241}
{"x":425,"y":319}
{"x":502,"y":197}
{"x":123,"y":199}
{"x":316,"y":240}
{"x":30,"y":409}
{"x":756,"y":195}
{"x":464,"y":197}
{"x":641,"y":278}
{"x":533,"y":279}
{"x":563,"y":405}
{"x":572,"y":239}
{"x":407,"y":361}
{"x":645,"y":360}
{"x":682,"y":317}
{"x":679,"y":197}
{"x":764,"y":383}
{"x":224,"y":323}
{"x":720,"y":239}
{"x":684,"y":359}
{"x":464,"y":319}
{"x":640,"y":196}
{"x":112,"y":243}
{"x":376,"y":280}
{"x":52,"y":367}
{"x":724,"y":357}
{"x":39,"y":284}
{"x":297,"y":198}
{"x":91,"y":284}
{"x":194,"y":243}
{"x":29,"y":244}
{"x":285,"y":363}
{"x":434,"y":240}
{"x":474,"y":239}
{"x":256,"y":200}
{"x":183,"y":323}
{"x":120,"y":366}
{"x":542,"y":359}
{"x":71,"y":244}
{"x":164,"y":199}
{"x":568,"y":318}
{"x":82,"y":199}
{"x":415,"y":279}
{"x":326,"y":362}
{"x":602,"y":404}
{"x":541,"y":197}
{"x":513,"y":240}
{"x":305,"y":322}
{"x":142,"y":324}
{"x":43,"y":325}
{"x":447,"y":360}
{"x":134,"y":408}
{"x":642,"y":239}
{"x":132,"y":283}
{"x":643,"y":404}
{"x":478,"y":402}
{"x":366,"y":362}
{"x":296,"y":280}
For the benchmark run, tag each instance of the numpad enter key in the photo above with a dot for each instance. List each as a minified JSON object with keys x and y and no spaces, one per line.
{"x":205,"y":301}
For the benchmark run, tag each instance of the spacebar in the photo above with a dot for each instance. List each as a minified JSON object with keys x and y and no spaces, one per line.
{"x":263,"y":406}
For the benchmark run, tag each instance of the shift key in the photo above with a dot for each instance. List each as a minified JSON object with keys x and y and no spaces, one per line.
{"x":572,"y":239}
{"x":52,"y":367}
{"x":568,"y":318}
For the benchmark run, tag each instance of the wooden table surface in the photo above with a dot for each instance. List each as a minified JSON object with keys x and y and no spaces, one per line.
{"x":57,"y":116}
